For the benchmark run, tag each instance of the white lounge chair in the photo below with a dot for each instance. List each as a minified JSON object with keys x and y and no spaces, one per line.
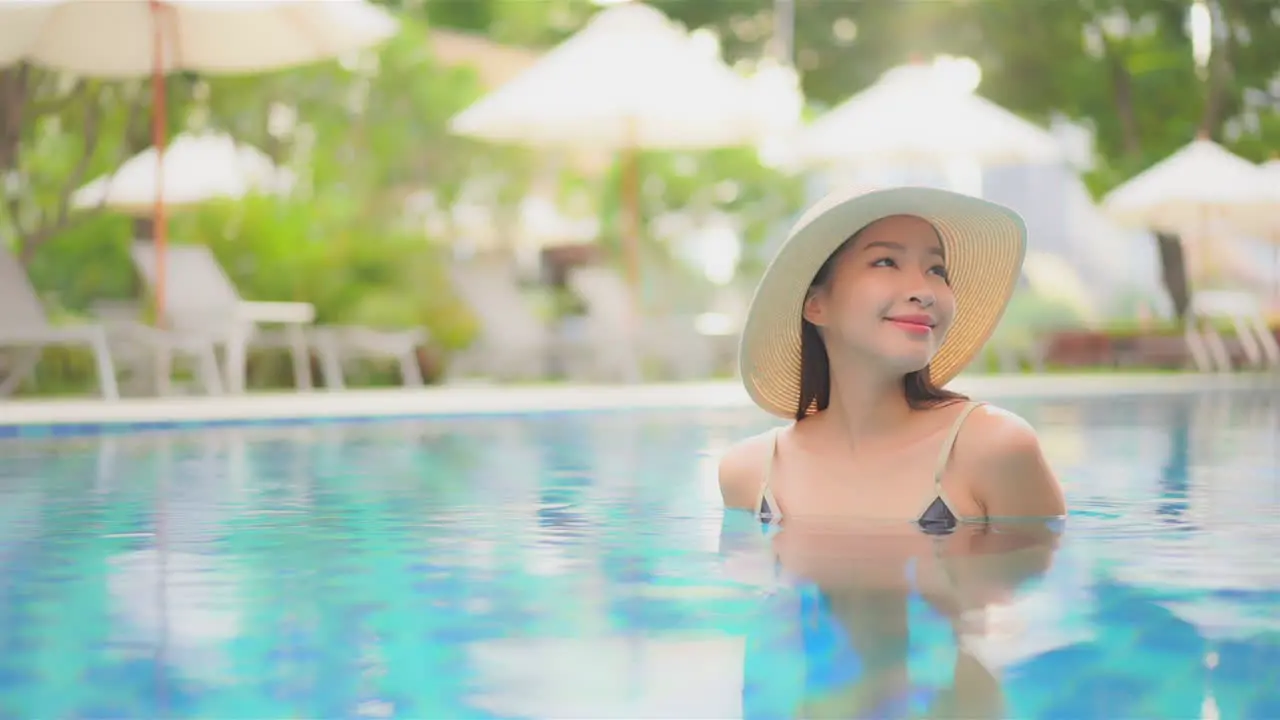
{"x":25,"y":327}
{"x":624,"y":343}
{"x":513,"y":342}
{"x":338,"y":345}
{"x":1244,"y":311}
{"x":145,"y":356}
{"x":614,"y":327}
{"x":201,"y":295}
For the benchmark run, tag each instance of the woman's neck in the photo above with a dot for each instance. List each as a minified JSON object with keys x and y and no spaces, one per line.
{"x":866,"y":404}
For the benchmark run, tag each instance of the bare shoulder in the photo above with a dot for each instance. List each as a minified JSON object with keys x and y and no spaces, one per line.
{"x":742,"y":470}
{"x":1011,"y":478}
{"x":1000,"y":430}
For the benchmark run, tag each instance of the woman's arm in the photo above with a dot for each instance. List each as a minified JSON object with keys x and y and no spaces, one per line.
{"x":1012,"y":479}
{"x":742,"y":471}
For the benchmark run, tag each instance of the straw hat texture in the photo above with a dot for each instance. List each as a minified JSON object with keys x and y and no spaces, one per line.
{"x":984,"y":244}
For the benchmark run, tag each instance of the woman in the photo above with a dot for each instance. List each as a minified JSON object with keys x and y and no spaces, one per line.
{"x":873,"y":303}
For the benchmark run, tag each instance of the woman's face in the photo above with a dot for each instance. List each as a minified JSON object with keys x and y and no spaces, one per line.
{"x":887,"y":296}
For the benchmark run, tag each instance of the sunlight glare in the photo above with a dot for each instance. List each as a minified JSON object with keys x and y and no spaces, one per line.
{"x":1200,"y":28}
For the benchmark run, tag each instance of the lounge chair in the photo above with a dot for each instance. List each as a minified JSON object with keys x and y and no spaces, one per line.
{"x":513,"y":342}
{"x":626,"y":343}
{"x":614,"y":327}
{"x":337,"y":345}
{"x":1244,"y":311}
{"x":25,"y":326}
{"x":202,"y":296}
{"x":145,"y":356}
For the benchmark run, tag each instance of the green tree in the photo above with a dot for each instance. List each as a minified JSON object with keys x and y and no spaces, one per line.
{"x":1123,"y":66}
{"x":55,"y":134}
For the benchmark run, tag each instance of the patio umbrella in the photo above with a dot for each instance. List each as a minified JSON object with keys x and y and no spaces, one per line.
{"x":916,"y":113}
{"x":194,"y":169}
{"x":1197,"y":189}
{"x":140,"y":38}
{"x":630,"y":80}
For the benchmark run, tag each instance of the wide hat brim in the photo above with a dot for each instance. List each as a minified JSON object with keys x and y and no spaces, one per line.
{"x":984,"y":242}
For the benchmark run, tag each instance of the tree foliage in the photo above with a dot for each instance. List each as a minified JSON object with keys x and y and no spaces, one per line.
{"x":1124,"y":67}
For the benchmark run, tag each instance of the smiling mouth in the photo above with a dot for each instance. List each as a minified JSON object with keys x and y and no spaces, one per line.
{"x":912,"y":326}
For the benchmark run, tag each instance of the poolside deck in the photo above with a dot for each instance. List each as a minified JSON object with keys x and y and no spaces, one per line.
{"x":453,"y":400}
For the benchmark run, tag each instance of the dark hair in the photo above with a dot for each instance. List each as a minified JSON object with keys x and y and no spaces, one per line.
{"x":815,"y":367}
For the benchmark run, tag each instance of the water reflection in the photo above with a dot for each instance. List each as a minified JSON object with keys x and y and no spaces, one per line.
{"x":580,"y":565}
{"x":862,"y":603}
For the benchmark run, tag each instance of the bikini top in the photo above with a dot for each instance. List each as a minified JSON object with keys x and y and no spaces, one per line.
{"x":938,"y":517}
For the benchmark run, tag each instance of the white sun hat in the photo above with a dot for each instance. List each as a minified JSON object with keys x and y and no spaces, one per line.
{"x":984,"y":244}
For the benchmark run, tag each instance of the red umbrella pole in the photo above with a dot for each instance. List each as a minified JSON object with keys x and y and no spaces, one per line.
{"x":631,"y":218}
{"x":160,"y":224}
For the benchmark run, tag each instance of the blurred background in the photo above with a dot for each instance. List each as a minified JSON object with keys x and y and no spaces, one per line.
{"x":587,"y":190}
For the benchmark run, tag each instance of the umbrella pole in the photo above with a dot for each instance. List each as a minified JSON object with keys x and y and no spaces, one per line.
{"x":160,"y":224}
{"x":1204,"y":244}
{"x":631,"y":226}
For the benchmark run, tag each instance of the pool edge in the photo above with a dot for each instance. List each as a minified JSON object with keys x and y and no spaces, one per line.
{"x":85,"y":416}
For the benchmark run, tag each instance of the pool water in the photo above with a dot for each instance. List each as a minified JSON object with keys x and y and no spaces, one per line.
{"x":579,"y":565}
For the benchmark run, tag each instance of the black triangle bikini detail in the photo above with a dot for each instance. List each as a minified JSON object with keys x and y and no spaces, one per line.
{"x":937,"y":518}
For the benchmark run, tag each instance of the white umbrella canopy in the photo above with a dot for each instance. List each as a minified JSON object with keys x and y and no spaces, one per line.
{"x":194,"y":169}
{"x":137,"y":38}
{"x":921,"y":113}
{"x":116,"y":39}
{"x":1271,"y":171}
{"x":1270,"y":229}
{"x":1198,"y":184}
{"x":1271,"y":232}
{"x":1204,"y":193}
{"x":630,"y":79}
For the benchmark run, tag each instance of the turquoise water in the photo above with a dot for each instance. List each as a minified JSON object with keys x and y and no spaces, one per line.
{"x":578,"y":565}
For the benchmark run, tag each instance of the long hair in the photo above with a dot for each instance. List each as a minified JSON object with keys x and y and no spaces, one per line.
{"x":815,"y":366}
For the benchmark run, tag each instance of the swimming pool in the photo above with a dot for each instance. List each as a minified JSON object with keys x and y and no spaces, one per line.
{"x":577,"y":565}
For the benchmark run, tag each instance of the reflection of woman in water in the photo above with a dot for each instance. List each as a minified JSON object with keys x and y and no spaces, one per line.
{"x":874,"y":302}
{"x":867,"y":605}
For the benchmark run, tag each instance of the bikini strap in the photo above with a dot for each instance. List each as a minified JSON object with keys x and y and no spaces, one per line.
{"x":945,"y":455}
{"x":766,"y":493}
